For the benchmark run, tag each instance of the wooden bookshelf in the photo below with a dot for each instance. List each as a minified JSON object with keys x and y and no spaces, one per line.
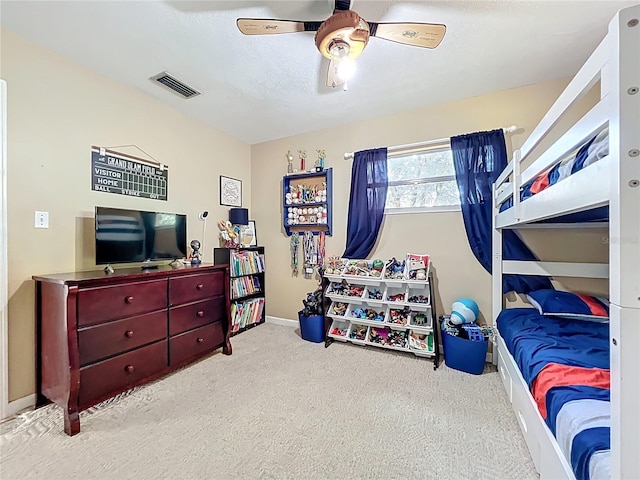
{"x":247,"y":283}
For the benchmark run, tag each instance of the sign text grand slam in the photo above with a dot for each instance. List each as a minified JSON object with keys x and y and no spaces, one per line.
{"x":113,"y":174}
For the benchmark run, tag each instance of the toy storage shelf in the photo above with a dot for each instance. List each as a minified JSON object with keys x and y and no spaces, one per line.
{"x":303,"y":183}
{"x":246,"y":288}
{"x":400,"y":325}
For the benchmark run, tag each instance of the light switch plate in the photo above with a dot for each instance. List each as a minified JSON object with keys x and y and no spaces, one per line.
{"x":42,"y":219}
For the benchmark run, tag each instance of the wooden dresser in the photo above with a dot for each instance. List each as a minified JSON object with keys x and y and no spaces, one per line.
{"x":99,"y":335}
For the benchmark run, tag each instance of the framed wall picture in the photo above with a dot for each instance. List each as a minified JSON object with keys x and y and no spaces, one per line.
{"x":230,"y":191}
{"x":250,"y":237}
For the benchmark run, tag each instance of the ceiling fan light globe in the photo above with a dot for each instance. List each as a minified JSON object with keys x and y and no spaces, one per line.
{"x":338,"y":49}
{"x":346,"y":69}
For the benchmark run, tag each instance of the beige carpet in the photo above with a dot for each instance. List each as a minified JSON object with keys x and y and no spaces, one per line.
{"x":281,"y":407}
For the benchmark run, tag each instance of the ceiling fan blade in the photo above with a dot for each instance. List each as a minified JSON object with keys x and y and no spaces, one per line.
{"x":427,"y":35}
{"x":342,"y":5}
{"x":333,"y":80}
{"x":267,"y":26}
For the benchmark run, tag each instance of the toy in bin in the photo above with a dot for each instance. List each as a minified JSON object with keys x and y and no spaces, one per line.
{"x":399,"y":316}
{"x":417,"y":266}
{"x":461,"y":322}
{"x":313,"y":303}
{"x":367,"y":313}
{"x":340,"y":330}
{"x":339,"y":308}
{"x":374,"y":293}
{"x":372,"y":268}
{"x":464,"y":310}
{"x":394,"y":269}
{"x":311,"y":318}
{"x":391,"y":338}
{"x":464,"y":342}
{"x":335,"y":265}
{"x":421,"y":341}
{"x":358,"y":332}
{"x":420,"y":319}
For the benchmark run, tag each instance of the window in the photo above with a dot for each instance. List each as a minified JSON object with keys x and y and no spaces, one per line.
{"x":165,"y":220}
{"x":422,"y":181}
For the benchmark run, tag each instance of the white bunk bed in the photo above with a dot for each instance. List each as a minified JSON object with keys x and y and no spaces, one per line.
{"x":613,"y":181}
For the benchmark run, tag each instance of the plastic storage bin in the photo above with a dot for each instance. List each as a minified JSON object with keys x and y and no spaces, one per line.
{"x":311,"y":327}
{"x":464,"y":355}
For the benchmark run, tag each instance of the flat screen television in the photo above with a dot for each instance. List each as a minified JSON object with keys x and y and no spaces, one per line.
{"x":127,"y":236}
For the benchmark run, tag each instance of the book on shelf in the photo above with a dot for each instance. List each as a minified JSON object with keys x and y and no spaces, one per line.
{"x":243,"y":286}
{"x":246,"y":262}
{"x":245,"y":313}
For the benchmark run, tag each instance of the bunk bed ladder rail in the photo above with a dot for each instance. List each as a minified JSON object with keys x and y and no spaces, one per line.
{"x":497,"y":297}
{"x":623,"y":76}
{"x":517,"y":179}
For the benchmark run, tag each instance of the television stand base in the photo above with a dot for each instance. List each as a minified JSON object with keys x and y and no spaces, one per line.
{"x":108,"y":270}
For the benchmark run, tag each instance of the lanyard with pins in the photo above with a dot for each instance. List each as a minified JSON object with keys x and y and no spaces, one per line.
{"x":295,"y":241}
{"x":310,"y":255}
{"x":321,"y":252}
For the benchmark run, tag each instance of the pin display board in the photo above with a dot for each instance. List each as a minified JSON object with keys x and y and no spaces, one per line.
{"x":121,"y":174}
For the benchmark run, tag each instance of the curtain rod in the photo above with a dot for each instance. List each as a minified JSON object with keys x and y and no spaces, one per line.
{"x":411,"y":146}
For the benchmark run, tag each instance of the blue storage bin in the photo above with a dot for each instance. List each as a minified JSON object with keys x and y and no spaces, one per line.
{"x":464,"y":355}
{"x":311,"y":327}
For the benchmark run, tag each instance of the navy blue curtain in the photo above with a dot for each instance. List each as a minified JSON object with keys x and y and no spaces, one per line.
{"x":479,"y":158}
{"x":366,"y":201}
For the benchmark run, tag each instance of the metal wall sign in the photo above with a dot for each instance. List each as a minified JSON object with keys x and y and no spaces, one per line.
{"x":112,"y":172}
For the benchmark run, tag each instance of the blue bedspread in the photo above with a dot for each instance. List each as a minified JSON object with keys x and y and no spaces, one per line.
{"x":535,"y":341}
{"x":596,"y":148}
{"x":577,"y":415}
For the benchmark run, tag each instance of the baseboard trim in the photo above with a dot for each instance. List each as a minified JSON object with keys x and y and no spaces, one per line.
{"x":20,"y":404}
{"x":285,"y":322}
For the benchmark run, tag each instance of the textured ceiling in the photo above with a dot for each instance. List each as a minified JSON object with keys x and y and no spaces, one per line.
{"x":260,"y":88}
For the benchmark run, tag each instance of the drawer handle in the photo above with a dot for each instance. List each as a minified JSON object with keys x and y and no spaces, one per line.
{"x":523,"y":422}
{"x":199,"y":286}
{"x":200,"y":340}
{"x":128,"y":299}
{"x":129,"y":368}
{"x":128,"y":333}
{"x":200,"y":313}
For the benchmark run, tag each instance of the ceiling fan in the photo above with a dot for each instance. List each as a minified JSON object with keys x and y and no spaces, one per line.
{"x":343,"y":36}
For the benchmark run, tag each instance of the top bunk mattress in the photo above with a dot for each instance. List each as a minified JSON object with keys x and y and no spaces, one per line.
{"x":596,"y":148}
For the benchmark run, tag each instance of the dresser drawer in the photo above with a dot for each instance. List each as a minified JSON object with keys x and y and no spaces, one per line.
{"x":196,"y":314}
{"x":196,"y":342}
{"x":107,"y":339}
{"x":122,"y":372}
{"x":192,"y":288}
{"x":96,"y":305}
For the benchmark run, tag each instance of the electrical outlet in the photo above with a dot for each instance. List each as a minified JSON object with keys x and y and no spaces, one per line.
{"x":42,"y":219}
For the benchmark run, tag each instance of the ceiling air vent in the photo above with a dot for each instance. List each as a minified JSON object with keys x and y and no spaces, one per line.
{"x":175,"y":85}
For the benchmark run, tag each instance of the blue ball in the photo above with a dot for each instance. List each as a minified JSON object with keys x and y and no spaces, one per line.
{"x":464,"y":310}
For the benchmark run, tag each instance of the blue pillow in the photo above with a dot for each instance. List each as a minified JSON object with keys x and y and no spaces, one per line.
{"x":555,"y":303}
